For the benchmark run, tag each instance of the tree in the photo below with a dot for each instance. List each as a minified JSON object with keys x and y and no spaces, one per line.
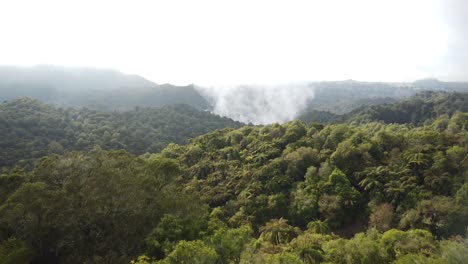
{"x":304,"y":205}
{"x":331,"y":209}
{"x":55,"y":147}
{"x":277,"y":231}
{"x":338,"y":184}
{"x":364,"y":249}
{"x":191,"y":252}
{"x":299,"y":160}
{"x":395,"y":190}
{"x":229,"y":243}
{"x":439,"y":215}
{"x":14,"y":251}
{"x":382,"y":217}
{"x":373,"y":180}
{"x":36,"y":216}
{"x":318,"y":227}
{"x":396,"y":243}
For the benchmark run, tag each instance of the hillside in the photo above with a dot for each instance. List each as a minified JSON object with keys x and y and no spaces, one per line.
{"x":341,"y":97}
{"x":291,"y":193}
{"x":416,"y":109}
{"x":31,"y":129}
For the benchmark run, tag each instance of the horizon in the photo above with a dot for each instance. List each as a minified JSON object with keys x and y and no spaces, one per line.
{"x":213,"y":43}
{"x":104,"y":69}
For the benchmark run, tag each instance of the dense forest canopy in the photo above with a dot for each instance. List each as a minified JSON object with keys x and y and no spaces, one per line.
{"x":387,"y":184}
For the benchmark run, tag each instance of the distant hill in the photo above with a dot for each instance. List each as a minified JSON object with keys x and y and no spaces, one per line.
{"x":102,"y":89}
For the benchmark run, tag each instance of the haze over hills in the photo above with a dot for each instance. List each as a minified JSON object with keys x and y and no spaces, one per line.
{"x":110,"y":90}
{"x":103,"y":89}
{"x":72,"y":78}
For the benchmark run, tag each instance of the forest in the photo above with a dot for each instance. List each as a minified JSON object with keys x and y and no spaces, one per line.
{"x":384,"y":183}
{"x":31,"y":129}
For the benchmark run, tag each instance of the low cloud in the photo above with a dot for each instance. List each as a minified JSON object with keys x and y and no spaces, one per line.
{"x":259,"y":104}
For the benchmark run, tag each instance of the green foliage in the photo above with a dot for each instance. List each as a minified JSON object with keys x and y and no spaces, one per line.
{"x":31,"y":129}
{"x":13,"y":251}
{"x":77,"y":207}
{"x":230,"y":242}
{"x":277,"y":231}
{"x":362,"y":248}
{"x":318,"y":227}
{"x":225,"y":196}
{"x":417,"y":109}
{"x":191,"y":252}
{"x":304,"y":204}
{"x":453,"y":251}
{"x":396,"y":243}
{"x":440,"y":215}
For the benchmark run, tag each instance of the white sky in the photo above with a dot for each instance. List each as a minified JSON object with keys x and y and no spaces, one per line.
{"x":233,"y":42}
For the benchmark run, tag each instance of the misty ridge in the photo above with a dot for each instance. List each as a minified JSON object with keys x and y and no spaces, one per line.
{"x":110,"y":90}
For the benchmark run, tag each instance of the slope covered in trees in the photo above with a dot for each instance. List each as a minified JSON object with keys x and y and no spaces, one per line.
{"x":397,"y":192}
{"x":417,"y":109}
{"x":291,"y":193}
{"x":31,"y":129}
{"x":340,"y":97}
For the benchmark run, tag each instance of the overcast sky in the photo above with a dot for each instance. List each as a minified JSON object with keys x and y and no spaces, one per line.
{"x":242,"y":42}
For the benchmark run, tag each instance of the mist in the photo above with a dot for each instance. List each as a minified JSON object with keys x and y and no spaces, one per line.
{"x":259,"y":104}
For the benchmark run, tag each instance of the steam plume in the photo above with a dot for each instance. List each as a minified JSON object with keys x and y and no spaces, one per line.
{"x":259,"y":104}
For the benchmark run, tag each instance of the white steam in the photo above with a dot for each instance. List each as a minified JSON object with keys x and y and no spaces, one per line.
{"x":259,"y":104}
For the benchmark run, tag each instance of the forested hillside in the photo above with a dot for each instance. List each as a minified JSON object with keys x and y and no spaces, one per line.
{"x":291,"y":193}
{"x":424,"y":106}
{"x":341,"y":97}
{"x":31,"y":129}
{"x":417,"y":109}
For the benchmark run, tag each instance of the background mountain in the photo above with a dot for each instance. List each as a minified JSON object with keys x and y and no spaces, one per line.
{"x":97,"y":88}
